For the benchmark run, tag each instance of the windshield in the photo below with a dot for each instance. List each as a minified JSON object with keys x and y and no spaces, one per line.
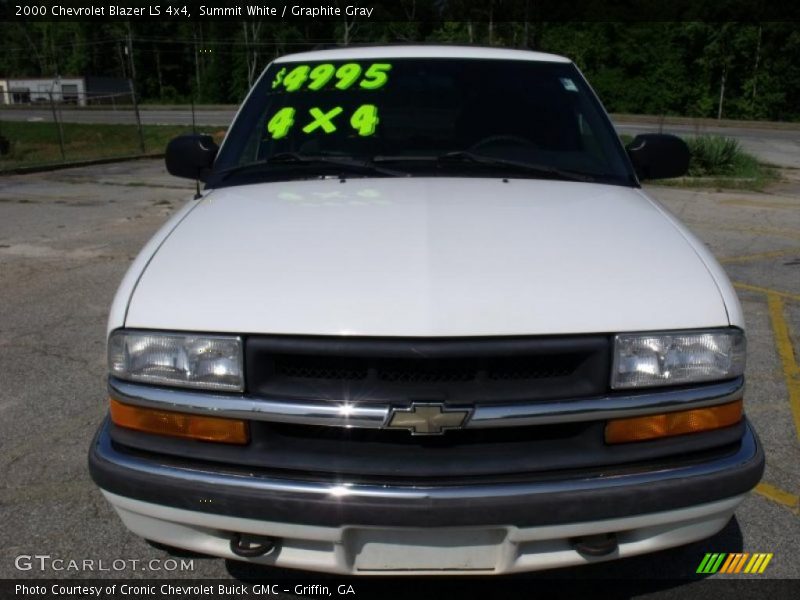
{"x":422,"y":117}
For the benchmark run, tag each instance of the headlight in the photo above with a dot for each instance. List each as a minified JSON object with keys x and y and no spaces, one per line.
{"x":197,"y":361}
{"x":651,"y":359}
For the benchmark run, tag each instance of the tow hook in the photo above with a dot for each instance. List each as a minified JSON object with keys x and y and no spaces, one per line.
{"x":250,"y":546}
{"x":596,"y":545}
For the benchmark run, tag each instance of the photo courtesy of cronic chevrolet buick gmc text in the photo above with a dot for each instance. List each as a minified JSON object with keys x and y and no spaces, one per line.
{"x":423,"y":319}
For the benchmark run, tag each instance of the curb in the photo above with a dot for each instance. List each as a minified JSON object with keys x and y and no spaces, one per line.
{"x":704,"y":122}
{"x":79,"y":163}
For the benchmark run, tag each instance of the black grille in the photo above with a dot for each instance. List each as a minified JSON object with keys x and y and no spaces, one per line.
{"x":474,"y":370}
{"x":318,"y":367}
{"x":425,"y":370}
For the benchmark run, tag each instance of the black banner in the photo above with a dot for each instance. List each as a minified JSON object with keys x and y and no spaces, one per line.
{"x":525,"y":586}
{"x":396,"y":10}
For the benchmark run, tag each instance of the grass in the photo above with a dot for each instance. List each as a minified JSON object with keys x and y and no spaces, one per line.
{"x":719,"y":162}
{"x":38,"y":143}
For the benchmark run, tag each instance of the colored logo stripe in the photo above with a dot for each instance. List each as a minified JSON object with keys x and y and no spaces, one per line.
{"x":729,"y":562}
{"x":758,"y":563}
{"x":711,"y":563}
{"x":734,"y":562}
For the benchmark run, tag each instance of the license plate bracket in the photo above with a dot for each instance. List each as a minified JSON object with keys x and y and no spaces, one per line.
{"x":425,"y":549}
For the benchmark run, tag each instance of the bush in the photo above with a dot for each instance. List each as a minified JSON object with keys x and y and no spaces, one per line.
{"x":714,"y":155}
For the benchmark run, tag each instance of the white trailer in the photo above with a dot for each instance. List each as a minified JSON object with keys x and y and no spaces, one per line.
{"x":39,"y":90}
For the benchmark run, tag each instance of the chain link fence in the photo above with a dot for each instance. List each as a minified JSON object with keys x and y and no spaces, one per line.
{"x":49,"y":128}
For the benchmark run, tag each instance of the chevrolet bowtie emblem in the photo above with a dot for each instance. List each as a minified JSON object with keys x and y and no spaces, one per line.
{"x":427,"y":419}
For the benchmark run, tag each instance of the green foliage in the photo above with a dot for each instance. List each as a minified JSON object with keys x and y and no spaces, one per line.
{"x":714,"y":155}
{"x":719,"y":162}
{"x":38,"y":143}
{"x":668,"y":68}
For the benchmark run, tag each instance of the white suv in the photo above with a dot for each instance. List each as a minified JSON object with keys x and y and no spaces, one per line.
{"x":423,"y":319}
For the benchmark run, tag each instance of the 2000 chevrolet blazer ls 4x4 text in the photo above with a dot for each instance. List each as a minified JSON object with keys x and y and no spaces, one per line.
{"x":424,"y":319}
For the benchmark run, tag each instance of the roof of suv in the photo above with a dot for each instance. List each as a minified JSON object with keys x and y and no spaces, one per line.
{"x":430,"y":51}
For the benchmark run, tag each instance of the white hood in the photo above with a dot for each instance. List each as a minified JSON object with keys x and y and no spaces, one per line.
{"x":426,"y":257}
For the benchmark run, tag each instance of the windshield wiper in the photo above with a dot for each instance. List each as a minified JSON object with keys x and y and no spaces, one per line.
{"x":465,"y":156}
{"x":294,"y":158}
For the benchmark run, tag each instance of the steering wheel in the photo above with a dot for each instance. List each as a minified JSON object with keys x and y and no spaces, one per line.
{"x":503,"y":137}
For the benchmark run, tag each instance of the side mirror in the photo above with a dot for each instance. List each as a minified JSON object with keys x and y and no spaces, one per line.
{"x":658,"y":156}
{"x":191,"y":156}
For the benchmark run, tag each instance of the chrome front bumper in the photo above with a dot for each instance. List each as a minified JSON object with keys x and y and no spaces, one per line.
{"x":555,"y":499}
{"x":423,"y":551}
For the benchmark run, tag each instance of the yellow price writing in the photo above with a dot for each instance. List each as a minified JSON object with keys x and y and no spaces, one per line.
{"x":364,"y":121}
{"x":344,"y":76}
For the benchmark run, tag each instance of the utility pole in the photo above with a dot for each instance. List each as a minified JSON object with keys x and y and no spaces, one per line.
{"x":132,"y":84}
{"x":58,"y":124}
{"x":196,"y":62}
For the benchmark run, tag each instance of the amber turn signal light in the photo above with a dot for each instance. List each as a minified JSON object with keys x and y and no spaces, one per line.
{"x":650,"y":427}
{"x":177,"y":424}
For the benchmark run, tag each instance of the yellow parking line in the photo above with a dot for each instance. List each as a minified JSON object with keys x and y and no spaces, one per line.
{"x":778,"y":495}
{"x":756,"y":204}
{"x":765,"y":231}
{"x":784,"y":344}
{"x":758,"y":256}
{"x":763,"y":290}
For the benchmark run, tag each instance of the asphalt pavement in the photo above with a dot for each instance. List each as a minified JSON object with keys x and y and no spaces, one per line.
{"x":67,"y":237}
